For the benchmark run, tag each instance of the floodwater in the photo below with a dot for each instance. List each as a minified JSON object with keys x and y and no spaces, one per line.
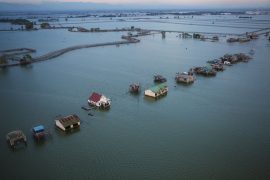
{"x":217,"y":128}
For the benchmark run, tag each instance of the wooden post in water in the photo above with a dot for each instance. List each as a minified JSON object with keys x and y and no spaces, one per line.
{"x":163,"y":33}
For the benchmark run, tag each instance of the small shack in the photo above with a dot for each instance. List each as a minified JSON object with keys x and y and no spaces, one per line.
{"x":157,"y":91}
{"x":68,"y":122}
{"x":185,"y":77}
{"x":134,"y":88}
{"x":99,"y":100}
{"x":38,"y":132}
{"x":159,"y":79}
{"x":15,"y":137}
{"x":205,"y":71}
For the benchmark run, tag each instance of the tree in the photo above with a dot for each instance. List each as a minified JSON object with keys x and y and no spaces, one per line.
{"x":27,"y":59}
{"x":45,"y":26}
{"x":3,"y":60}
{"x":29,"y":25}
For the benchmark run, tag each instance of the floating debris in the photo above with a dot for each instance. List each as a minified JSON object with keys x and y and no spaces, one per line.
{"x":16,"y":137}
{"x":252,"y":52}
{"x":86,"y":108}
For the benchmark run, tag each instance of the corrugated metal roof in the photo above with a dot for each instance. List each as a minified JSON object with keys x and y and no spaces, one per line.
{"x":159,"y":87}
{"x":95,"y":97}
{"x":39,"y":128}
{"x":69,"y":120}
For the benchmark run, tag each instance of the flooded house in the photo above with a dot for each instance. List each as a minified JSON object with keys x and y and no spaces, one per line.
{"x":159,"y":79}
{"x":68,"y":122}
{"x":205,"y":71}
{"x":185,"y":77}
{"x":16,"y":137}
{"x":134,"y":88}
{"x":39,"y":132}
{"x":231,"y":40}
{"x":99,"y":100}
{"x":157,"y":91}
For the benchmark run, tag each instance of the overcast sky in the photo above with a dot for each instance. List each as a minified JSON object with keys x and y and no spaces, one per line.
{"x":178,"y":2}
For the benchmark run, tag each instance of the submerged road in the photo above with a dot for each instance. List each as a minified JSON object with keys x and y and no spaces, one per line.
{"x":57,"y":53}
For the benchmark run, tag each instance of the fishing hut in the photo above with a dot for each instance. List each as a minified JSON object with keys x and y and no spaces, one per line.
{"x":243,"y":40}
{"x":235,"y":58}
{"x":205,"y":71}
{"x":68,"y":122}
{"x":186,"y":35}
{"x":197,"y":36}
{"x":185,"y":77}
{"x":16,"y":137}
{"x":218,"y":67}
{"x":99,"y":100}
{"x":157,"y":91}
{"x":134,"y":88}
{"x":159,"y":79}
{"x":215,"y":38}
{"x":39,"y":132}
{"x":232,"y":40}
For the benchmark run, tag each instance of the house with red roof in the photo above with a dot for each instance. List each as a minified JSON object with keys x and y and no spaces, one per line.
{"x":99,"y":100}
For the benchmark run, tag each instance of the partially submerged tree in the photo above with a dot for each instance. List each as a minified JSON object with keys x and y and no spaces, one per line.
{"x":45,"y":25}
{"x":27,"y":59}
{"x":3,"y":59}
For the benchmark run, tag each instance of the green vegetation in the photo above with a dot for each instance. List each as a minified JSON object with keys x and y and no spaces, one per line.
{"x":3,"y":60}
{"x":45,"y":26}
{"x":27,"y":59}
{"x":28,"y":24}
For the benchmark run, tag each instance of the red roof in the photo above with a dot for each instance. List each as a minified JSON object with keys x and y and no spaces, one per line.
{"x":95,"y":97}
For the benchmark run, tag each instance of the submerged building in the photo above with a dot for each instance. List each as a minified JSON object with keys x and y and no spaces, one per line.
{"x":99,"y":100}
{"x":68,"y":122}
{"x":157,"y":91}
